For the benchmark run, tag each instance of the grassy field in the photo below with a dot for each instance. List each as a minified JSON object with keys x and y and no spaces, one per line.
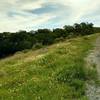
{"x":56,"y":72}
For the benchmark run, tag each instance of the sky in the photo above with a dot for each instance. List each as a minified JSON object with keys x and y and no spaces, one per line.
{"x":29,"y":15}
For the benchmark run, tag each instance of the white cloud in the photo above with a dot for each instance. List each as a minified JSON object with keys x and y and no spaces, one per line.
{"x":22,"y":22}
{"x":14,"y":15}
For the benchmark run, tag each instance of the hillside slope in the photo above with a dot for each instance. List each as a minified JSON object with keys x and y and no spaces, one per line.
{"x":56,"y":72}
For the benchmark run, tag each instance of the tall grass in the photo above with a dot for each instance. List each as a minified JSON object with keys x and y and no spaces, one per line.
{"x":58,"y":74}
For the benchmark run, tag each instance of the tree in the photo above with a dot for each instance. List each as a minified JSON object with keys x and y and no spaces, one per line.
{"x":69,"y":30}
{"x":18,"y":41}
{"x":77,"y":29}
{"x":44,"y":36}
{"x":57,"y":33}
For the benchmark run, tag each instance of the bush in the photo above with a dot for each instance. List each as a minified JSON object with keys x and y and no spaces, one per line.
{"x":37,"y":46}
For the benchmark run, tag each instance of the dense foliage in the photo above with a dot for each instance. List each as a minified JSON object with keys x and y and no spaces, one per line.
{"x":13,"y":42}
{"x":97,"y":29}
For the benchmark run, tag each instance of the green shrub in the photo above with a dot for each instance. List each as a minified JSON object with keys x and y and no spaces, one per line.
{"x":37,"y":46}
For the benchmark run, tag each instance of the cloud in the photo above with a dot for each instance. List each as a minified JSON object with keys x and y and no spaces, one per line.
{"x":50,"y":8}
{"x":32,"y":14}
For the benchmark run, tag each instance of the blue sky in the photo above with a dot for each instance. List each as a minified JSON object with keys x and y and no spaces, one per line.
{"x":29,"y":15}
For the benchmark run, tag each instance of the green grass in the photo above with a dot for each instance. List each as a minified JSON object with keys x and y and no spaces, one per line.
{"x":56,"y":72}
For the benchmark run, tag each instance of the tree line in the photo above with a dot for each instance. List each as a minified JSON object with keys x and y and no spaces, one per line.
{"x":97,"y":29}
{"x":18,"y":41}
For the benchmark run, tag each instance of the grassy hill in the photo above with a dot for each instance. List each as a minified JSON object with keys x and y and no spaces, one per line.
{"x":56,"y":72}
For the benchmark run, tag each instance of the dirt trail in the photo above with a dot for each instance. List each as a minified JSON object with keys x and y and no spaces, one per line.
{"x":93,"y":91}
{"x":97,"y":51}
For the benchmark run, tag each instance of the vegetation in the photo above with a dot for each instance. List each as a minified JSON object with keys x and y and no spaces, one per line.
{"x":13,"y":42}
{"x":56,"y":72}
{"x":97,"y":29}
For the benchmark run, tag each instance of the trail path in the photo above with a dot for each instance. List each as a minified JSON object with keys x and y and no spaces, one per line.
{"x":93,"y":91}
